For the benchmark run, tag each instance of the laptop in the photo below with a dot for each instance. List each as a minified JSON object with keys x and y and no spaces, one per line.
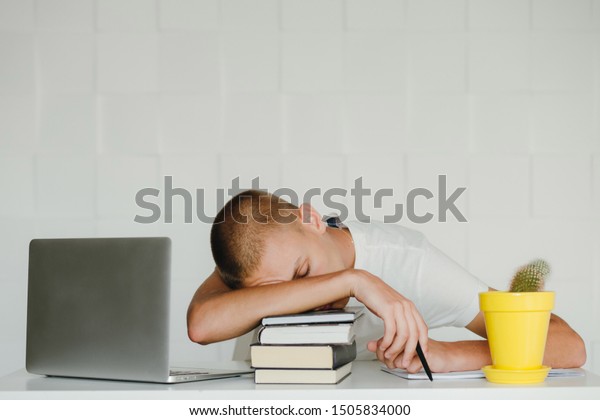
{"x":99,"y":308}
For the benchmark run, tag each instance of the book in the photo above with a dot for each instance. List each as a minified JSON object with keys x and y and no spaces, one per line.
{"x":307,"y":334}
{"x":565,"y":373}
{"x":330,"y":356}
{"x":467,"y":374}
{"x":473,"y":374}
{"x":331,"y":316}
{"x":302,"y":376}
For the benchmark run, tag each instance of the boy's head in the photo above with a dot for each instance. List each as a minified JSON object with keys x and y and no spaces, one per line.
{"x":258,"y":238}
{"x":240,"y":230}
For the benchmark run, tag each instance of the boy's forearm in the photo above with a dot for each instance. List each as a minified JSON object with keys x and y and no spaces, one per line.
{"x":462,"y":355}
{"x":564,"y":349}
{"x":228,"y":314}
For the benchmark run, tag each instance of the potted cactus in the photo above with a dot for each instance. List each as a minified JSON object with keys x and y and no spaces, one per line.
{"x":517,"y":326}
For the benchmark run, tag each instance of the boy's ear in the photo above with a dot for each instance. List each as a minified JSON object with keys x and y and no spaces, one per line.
{"x":311,"y":219}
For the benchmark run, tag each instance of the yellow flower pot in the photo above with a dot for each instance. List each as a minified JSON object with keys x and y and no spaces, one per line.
{"x":517,"y":327}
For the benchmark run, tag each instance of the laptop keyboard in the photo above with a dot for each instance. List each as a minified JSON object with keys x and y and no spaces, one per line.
{"x":179,"y":372}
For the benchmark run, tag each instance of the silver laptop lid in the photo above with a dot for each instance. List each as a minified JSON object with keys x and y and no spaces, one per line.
{"x":99,"y":308}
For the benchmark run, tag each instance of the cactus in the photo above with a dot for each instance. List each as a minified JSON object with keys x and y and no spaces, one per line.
{"x":530,"y":278}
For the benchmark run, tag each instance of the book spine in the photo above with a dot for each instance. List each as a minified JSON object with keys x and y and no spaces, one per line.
{"x":343,"y":354}
{"x":259,"y":333}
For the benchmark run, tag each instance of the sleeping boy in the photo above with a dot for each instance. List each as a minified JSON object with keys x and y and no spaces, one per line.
{"x":274,"y":258}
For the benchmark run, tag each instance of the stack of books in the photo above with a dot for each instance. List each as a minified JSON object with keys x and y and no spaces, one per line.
{"x":309,"y":348}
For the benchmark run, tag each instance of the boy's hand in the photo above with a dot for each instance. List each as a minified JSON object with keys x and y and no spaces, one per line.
{"x":437,"y":358}
{"x":403,"y":325}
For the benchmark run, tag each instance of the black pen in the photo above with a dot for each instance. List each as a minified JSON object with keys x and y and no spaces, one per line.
{"x":424,"y":361}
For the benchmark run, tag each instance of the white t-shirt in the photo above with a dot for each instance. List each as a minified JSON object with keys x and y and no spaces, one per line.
{"x":444,"y":293}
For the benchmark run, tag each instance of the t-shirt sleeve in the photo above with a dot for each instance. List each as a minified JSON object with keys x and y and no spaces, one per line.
{"x":448,"y":293}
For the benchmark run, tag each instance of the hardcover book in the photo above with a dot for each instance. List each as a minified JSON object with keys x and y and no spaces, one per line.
{"x":330,"y":356}
{"x":307,"y":334}
{"x":302,"y":376}
{"x":332,"y":316}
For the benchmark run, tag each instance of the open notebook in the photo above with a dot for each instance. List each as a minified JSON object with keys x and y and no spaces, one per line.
{"x":471,"y":374}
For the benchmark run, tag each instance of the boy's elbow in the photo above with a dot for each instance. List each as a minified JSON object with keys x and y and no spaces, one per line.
{"x":199,"y":335}
{"x":580,"y":354}
{"x":196,"y":330}
{"x":196,"y":335}
{"x":573,"y":354}
{"x":570,"y":347}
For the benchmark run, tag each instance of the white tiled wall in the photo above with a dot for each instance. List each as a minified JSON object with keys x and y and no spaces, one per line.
{"x":99,"y":98}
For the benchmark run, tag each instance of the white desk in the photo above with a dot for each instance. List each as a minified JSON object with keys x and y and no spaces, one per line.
{"x":367,"y":382}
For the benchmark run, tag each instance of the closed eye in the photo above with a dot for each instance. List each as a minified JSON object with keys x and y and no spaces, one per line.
{"x":302,"y":271}
{"x":306,"y":273}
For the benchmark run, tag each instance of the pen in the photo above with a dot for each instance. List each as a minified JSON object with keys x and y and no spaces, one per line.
{"x":424,"y":361}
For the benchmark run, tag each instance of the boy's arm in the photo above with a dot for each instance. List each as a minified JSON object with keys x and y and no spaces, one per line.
{"x":564,"y":349}
{"x":218,"y":313}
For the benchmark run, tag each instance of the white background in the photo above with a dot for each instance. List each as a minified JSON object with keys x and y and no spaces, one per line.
{"x":101,"y":98}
